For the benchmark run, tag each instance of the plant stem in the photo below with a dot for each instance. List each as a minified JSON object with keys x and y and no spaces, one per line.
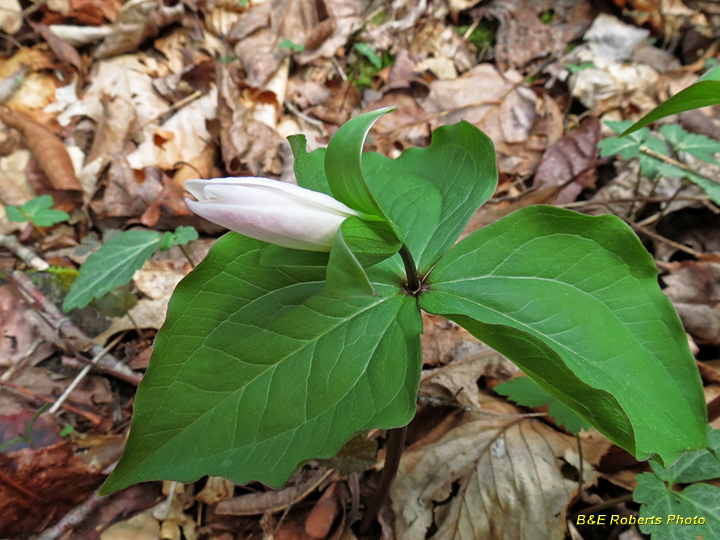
{"x":393,"y":451}
{"x":413,"y":280}
{"x":187,"y":255}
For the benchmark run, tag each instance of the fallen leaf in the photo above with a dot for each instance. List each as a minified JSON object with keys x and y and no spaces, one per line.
{"x":64,"y":51}
{"x":457,"y":486}
{"x":11,"y":18}
{"x":571,"y":159}
{"x":694,"y":290}
{"x":323,"y":515}
{"x":40,"y":486}
{"x":47,"y":149}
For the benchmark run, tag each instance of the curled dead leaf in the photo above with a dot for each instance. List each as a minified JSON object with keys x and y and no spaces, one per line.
{"x":46,"y":147}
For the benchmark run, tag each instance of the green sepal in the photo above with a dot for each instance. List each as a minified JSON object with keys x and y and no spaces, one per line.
{"x":345,"y":275}
{"x":370,"y":241}
{"x":309,"y":167}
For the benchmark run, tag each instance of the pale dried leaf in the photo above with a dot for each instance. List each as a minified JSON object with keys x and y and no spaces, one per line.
{"x":11,"y":18}
{"x":507,"y":473}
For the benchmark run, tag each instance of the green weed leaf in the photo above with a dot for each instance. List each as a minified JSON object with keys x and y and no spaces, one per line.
{"x":180,"y":237}
{"x":111,"y":266}
{"x":38,"y":211}
{"x":525,"y":392}
{"x":698,"y":146}
{"x":574,"y":301}
{"x":367,"y":52}
{"x":665,"y":505}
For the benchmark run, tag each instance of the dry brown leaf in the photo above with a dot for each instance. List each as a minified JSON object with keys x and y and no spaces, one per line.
{"x":138,"y":20}
{"x":487,"y":464}
{"x":216,"y":489}
{"x":572,"y":159}
{"x":47,"y":149}
{"x":320,"y":521}
{"x":503,"y":108}
{"x":63,"y":50}
{"x":694,"y":290}
{"x":19,"y":335}
{"x":142,"y":526}
{"x":40,"y":486}
{"x":11,"y":18}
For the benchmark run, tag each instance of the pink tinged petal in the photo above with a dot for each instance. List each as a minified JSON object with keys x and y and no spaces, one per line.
{"x":269,"y":210}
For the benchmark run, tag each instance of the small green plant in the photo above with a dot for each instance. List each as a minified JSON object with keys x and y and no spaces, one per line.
{"x":575,"y":68}
{"x":291,"y":45}
{"x":653,"y":153}
{"x":672,"y":509}
{"x":115,"y":262}
{"x":301,"y":328}
{"x":26,"y":437}
{"x":483,"y":36}
{"x":367,"y":64}
{"x":38,"y":211}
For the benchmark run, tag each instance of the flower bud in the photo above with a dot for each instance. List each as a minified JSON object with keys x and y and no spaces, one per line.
{"x":269,"y":210}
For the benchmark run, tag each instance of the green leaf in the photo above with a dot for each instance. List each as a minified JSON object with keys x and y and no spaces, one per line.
{"x":111,"y":266}
{"x":257,"y":371}
{"x":291,"y":45}
{"x":626,"y":148}
{"x":666,"y":506}
{"x":703,"y":93}
{"x":698,"y":146}
{"x":367,"y":52}
{"x":345,"y":275}
{"x":712,"y":189}
{"x":343,"y":164}
{"x":431,"y":193}
{"x":370,"y":241}
{"x":693,"y":466}
{"x":180,"y":237}
{"x":525,"y":392}
{"x":652,"y":166}
{"x":38,"y":210}
{"x":574,"y":301}
{"x":309,"y":166}
{"x":116,"y":303}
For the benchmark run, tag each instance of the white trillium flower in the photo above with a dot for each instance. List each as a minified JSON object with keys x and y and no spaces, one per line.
{"x":270,"y":210}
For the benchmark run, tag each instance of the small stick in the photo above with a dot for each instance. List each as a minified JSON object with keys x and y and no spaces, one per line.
{"x":26,"y":255}
{"x":92,"y":417}
{"x":80,"y":376}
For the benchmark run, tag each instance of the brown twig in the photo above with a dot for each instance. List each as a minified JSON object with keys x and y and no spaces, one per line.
{"x":92,"y":417}
{"x":23,"y":253}
{"x":68,"y":335}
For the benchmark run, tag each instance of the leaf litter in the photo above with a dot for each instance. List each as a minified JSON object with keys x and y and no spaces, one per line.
{"x":110,"y":107}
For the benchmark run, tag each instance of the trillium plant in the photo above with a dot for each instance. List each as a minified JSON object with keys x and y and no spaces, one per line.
{"x":302,"y":327}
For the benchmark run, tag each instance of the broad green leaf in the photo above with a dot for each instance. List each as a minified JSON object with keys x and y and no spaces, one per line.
{"x":431,"y":193}
{"x":309,"y":166}
{"x":111,"y":266}
{"x":343,"y":164}
{"x":626,"y":148}
{"x":698,"y":146}
{"x":693,"y":466}
{"x":525,"y":392}
{"x":703,"y":93}
{"x":38,"y":210}
{"x":345,"y":275}
{"x":574,"y":301}
{"x":370,"y":241}
{"x":256,"y":371}
{"x":666,"y":506}
{"x":180,"y":237}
